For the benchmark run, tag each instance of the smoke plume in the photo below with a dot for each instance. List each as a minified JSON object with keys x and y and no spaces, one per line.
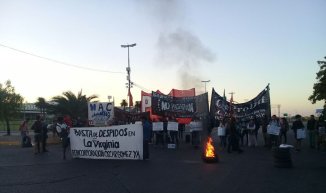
{"x":178,"y":47}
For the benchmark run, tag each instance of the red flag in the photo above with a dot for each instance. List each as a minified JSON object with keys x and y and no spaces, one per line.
{"x":130,"y":99}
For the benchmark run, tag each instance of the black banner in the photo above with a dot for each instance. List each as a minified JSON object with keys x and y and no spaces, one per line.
{"x":179,"y":107}
{"x":257,"y":107}
{"x":220,"y":107}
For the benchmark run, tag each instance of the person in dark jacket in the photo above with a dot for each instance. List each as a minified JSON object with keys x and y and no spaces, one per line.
{"x":264,"y":130}
{"x":234,"y":136}
{"x":44,"y":134}
{"x":321,"y":128}
{"x":297,"y":124}
{"x":37,"y":128}
{"x":284,"y":129}
{"x":146,"y":137}
{"x":311,"y":127}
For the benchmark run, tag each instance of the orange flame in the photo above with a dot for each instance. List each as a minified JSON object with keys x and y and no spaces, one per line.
{"x":210,"y":150}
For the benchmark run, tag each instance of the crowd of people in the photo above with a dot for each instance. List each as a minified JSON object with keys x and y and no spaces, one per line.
{"x":59,"y":127}
{"x":233,"y":134}
{"x":274,"y":132}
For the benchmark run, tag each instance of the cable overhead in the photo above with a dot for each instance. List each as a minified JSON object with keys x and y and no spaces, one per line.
{"x":60,"y":62}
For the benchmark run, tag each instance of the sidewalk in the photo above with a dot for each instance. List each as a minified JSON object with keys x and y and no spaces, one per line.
{"x":15,"y":139}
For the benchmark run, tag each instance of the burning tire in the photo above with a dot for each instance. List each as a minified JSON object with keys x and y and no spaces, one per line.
{"x":209,"y":154}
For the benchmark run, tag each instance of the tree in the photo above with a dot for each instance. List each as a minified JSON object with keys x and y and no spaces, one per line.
{"x":319,"y":92}
{"x":124,"y":104}
{"x":10,"y":103}
{"x":72,"y":105}
{"x":137,"y":106}
{"x":41,"y":104}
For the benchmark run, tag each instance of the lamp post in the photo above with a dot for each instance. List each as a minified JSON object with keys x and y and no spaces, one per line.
{"x":128,"y":69}
{"x":205,"y":81}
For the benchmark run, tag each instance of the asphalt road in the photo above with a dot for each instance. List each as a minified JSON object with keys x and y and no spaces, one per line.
{"x":168,"y":170}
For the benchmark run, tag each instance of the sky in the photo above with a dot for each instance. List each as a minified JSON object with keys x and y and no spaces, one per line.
{"x":49,"y":47}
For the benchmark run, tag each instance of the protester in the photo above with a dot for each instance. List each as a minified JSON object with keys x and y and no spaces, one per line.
{"x":37,"y":128}
{"x":257,"y":126}
{"x":44,"y":134}
{"x":165,"y":121}
{"x":23,"y":128}
{"x":181,"y":129}
{"x":311,"y":127}
{"x":252,"y":141}
{"x":233,"y":139}
{"x":243,"y":133}
{"x":297,"y":124}
{"x":146,"y":136}
{"x":67,"y":119}
{"x":284,"y":129}
{"x":321,"y":125}
{"x":223,"y":126}
{"x":159,"y":137}
{"x":63,"y":131}
{"x":264,"y":130}
{"x":273,"y":138}
{"x":174,"y":134}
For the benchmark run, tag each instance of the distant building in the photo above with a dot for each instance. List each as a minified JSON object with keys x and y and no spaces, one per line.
{"x":29,"y":110}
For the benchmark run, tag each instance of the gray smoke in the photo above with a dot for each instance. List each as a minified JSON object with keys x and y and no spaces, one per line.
{"x":176,"y":46}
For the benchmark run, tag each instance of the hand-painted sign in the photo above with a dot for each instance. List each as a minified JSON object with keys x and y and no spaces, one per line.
{"x":115,"y":142}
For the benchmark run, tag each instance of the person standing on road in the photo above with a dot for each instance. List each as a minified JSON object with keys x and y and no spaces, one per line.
{"x":233,"y":139}
{"x":63,"y":131}
{"x":274,"y":138}
{"x":252,"y":141}
{"x":321,"y":134}
{"x":146,"y":137}
{"x":44,"y":133}
{"x":23,"y":128}
{"x":264,"y":125}
{"x":257,"y":126}
{"x":311,"y":126}
{"x":284,"y":129}
{"x":37,"y":128}
{"x":297,"y":124}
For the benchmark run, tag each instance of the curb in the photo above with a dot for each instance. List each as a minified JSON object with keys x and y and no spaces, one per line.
{"x":18,"y":143}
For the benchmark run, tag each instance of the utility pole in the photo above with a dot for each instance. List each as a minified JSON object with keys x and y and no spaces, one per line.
{"x":129,"y":84}
{"x":205,"y":81}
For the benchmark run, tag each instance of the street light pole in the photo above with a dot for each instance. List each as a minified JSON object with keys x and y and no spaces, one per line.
{"x":205,"y":81}
{"x":128,"y":69}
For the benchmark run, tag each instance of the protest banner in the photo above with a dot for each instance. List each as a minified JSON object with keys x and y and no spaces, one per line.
{"x":180,"y":107}
{"x":257,"y":107}
{"x":100,"y":113}
{"x":114,"y":142}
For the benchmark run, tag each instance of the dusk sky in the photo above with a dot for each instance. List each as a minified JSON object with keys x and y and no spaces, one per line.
{"x":240,"y":46}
